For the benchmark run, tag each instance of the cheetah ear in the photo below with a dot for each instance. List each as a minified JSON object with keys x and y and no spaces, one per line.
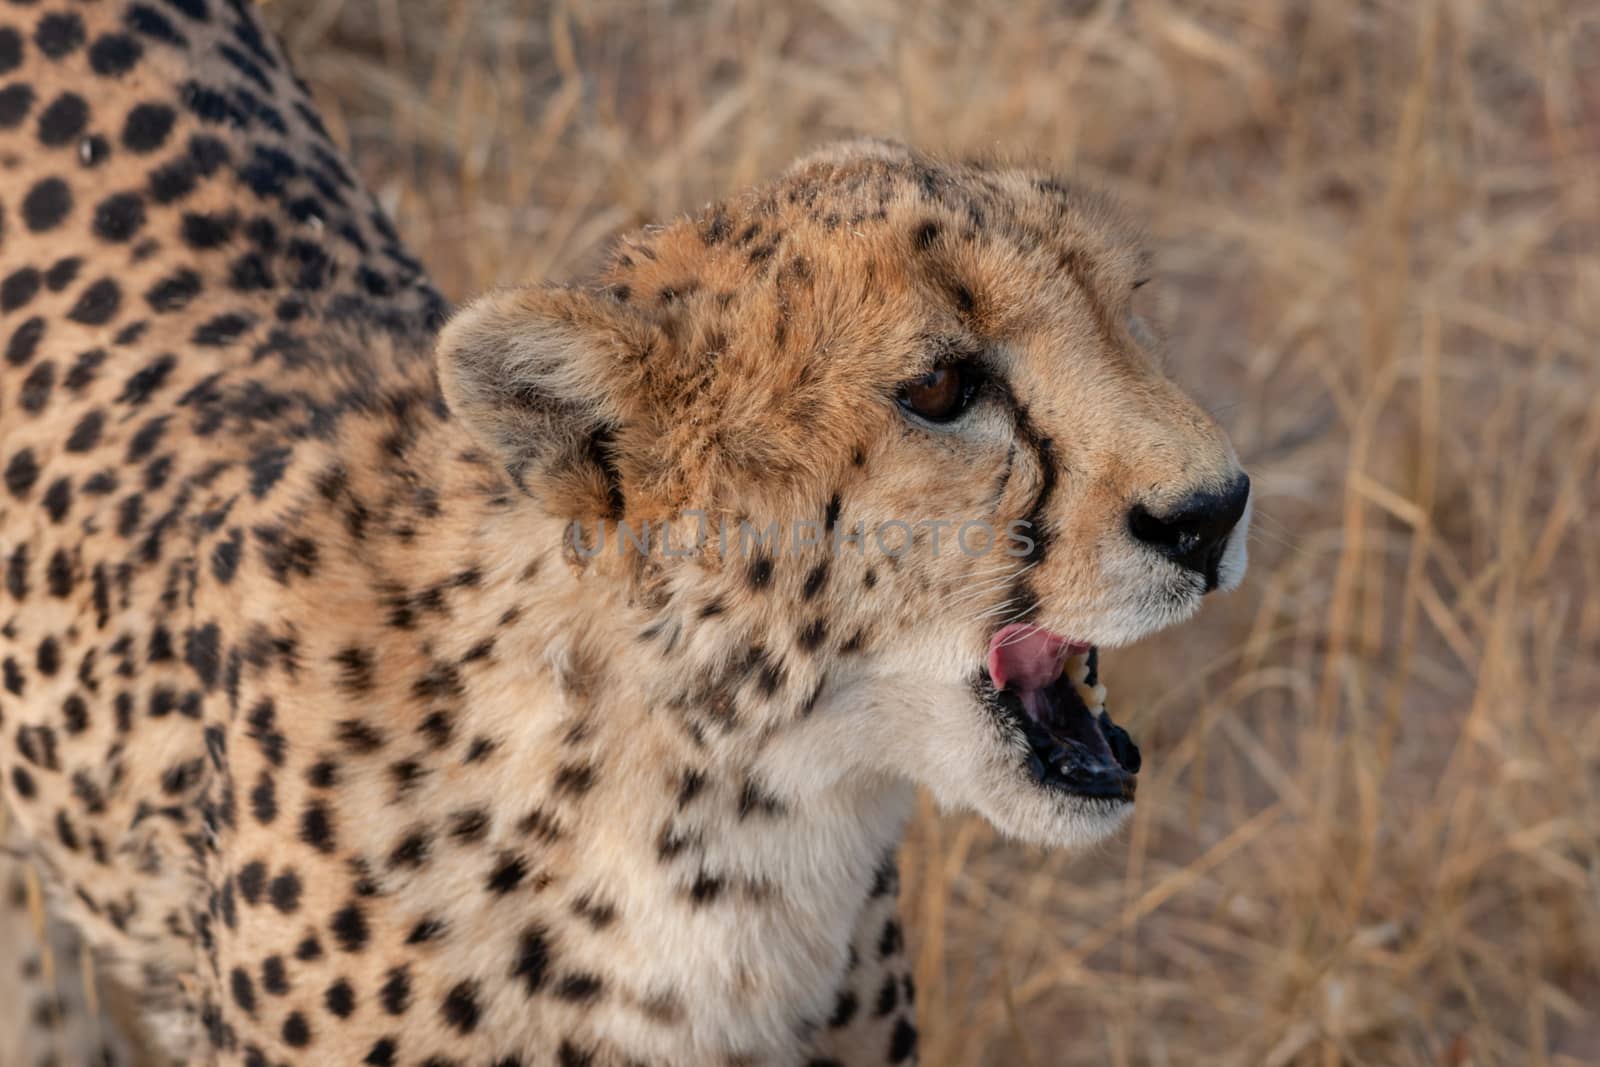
{"x":539,"y":374}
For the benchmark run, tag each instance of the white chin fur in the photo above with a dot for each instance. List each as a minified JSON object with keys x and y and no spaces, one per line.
{"x":1039,"y":816}
{"x":1236,"y":557}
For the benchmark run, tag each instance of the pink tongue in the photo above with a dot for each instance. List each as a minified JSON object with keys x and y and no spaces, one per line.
{"x":1023,"y":656}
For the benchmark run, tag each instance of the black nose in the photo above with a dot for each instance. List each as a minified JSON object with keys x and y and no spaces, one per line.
{"x":1194,"y":533}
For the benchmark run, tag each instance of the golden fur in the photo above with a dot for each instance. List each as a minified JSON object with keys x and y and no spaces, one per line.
{"x":338,"y":747}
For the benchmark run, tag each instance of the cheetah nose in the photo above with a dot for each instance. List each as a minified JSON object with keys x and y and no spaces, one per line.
{"x":1194,"y":533}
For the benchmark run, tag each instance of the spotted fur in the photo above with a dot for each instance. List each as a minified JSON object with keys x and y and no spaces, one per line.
{"x":324,"y":733}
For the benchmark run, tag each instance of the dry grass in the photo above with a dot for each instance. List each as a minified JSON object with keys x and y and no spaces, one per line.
{"x":1370,"y":829}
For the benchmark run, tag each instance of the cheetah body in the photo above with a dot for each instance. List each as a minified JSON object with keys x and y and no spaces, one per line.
{"x":320,"y":728}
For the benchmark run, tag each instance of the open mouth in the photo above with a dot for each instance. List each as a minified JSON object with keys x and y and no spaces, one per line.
{"x":1048,"y":686}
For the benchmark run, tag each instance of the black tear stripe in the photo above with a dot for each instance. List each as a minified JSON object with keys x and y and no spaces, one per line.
{"x":1024,"y":599}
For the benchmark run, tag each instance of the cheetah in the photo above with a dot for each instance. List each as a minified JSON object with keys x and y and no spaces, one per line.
{"x":338,"y":730}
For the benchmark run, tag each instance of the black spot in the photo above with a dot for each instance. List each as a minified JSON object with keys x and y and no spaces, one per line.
{"x":816,"y":581}
{"x":25,"y":341}
{"x":174,"y":292}
{"x":252,"y":879}
{"x":203,"y":653}
{"x":86,"y":434}
{"x":753,"y":800}
{"x":142,"y":19}
{"x":316,"y":828}
{"x":59,"y":576}
{"x":266,"y":467}
{"x":284,"y":890}
{"x":273,"y":977}
{"x":706,"y":888}
{"x":119,"y":216}
{"x":323,"y":774}
{"x":180,"y":777}
{"x":63,"y":120}
{"x":579,"y":988}
{"x":886,"y":879}
{"x":340,"y":999}
{"x":114,"y":54}
{"x":17,"y":573}
{"x":760,"y":574}
{"x":225,"y":556}
{"x":244,"y":990}
{"x":888,"y":997}
{"x":844,"y":1010}
{"x":470,"y":826}
{"x":296,"y":1032}
{"x":903,"y":1043}
{"x":508,"y":873}
{"x":145,"y":440}
{"x":83,"y":373}
{"x":349,"y":927}
{"x":98,"y":304}
{"x":59,"y":34}
{"x":250,"y":273}
{"x":689,"y":787}
{"x":19,"y":287}
{"x":36,"y":388}
{"x":10,"y":49}
{"x":63,"y":273}
{"x":47,"y":203}
{"x":532,"y":962}
{"x":359,"y":736}
{"x":15,"y":103}
{"x":314,"y":265}
{"x":21,"y":473}
{"x":570,"y":1055}
{"x":381,"y":1054}
{"x":202,"y":231}
{"x":396,"y":992}
{"x":811,"y":638}
{"x":355,"y":671}
{"x":460,"y":1008}
{"x":75,"y":714}
{"x":147,"y":127}
{"x":223,"y":329}
{"x":48,"y":657}
{"x":412,"y":851}
{"x":264,"y":798}
{"x":143,"y":383}
{"x":95,"y":150}
{"x":574,"y":779}
{"x":891,"y":940}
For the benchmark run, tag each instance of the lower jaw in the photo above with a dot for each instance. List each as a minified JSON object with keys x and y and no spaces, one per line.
{"x":1073,"y":746}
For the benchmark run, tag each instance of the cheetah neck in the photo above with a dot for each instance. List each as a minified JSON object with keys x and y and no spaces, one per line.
{"x":524,"y":757}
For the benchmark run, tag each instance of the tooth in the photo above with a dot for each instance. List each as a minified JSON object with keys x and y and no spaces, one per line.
{"x":1093,"y":697}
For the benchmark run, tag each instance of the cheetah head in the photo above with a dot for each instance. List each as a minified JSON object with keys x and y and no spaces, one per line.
{"x":928,"y":380}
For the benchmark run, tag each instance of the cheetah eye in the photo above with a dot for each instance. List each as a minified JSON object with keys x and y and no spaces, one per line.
{"x":943,"y":394}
